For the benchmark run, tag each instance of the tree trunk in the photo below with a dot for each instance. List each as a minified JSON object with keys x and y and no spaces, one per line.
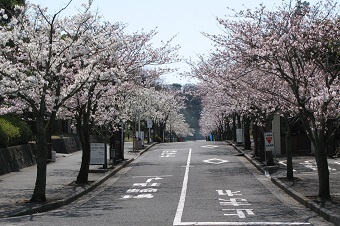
{"x":246,"y":132}
{"x":39,"y":193}
{"x":290,"y":172}
{"x":234,"y":127}
{"x":229,"y":132}
{"x":317,"y":137}
{"x":161,"y":131}
{"x":239,"y":125}
{"x":322,"y":163}
{"x":83,"y":128}
{"x":256,"y":141}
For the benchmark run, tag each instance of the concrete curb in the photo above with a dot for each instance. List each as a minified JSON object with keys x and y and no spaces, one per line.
{"x":57,"y":204}
{"x":323,"y":212}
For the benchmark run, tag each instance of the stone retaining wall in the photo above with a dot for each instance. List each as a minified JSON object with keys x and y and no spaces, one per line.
{"x":12,"y":159}
{"x":66,"y":145}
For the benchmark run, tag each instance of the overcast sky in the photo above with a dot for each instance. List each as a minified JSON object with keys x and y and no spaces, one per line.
{"x":184,"y":18}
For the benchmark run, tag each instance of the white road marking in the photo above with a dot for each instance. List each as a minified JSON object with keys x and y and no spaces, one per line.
{"x":282,"y":163}
{"x":242,"y":223}
{"x":309,"y":165}
{"x":153,"y":176}
{"x":215,"y":161}
{"x":180,"y":207}
{"x":209,"y":146}
{"x":331,"y":169}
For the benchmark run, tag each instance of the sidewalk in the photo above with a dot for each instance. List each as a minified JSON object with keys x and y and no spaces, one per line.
{"x":305,"y":187}
{"x":17,"y":188}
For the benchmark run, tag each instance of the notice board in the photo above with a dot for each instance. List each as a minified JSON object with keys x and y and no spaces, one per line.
{"x":97,"y":154}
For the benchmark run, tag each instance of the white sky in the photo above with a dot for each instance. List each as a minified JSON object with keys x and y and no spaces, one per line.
{"x":184,"y":18}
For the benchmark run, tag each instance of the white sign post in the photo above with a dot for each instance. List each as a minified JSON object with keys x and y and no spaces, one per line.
{"x":97,"y":154}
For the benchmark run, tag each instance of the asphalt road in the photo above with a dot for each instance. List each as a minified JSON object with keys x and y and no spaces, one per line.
{"x":190,"y":183}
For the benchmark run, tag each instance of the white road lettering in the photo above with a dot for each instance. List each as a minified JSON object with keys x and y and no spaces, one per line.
{"x":142,"y":196}
{"x":168,"y":153}
{"x":234,"y":202}
{"x":155,"y":178}
{"x":228,"y":192}
{"x":146,"y":184}
{"x":241,"y":213}
{"x":146,"y":190}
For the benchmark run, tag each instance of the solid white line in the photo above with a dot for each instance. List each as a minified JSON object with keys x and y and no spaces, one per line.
{"x":180,"y":207}
{"x":242,"y":223}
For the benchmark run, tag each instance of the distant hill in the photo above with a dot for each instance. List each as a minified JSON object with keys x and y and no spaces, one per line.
{"x":193,"y":110}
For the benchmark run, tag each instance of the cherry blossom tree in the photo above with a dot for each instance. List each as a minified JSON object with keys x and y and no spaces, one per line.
{"x":294,"y":48}
{"x":43,"y":68}
{"x":127,"y":62}
{"x":161,"y":106}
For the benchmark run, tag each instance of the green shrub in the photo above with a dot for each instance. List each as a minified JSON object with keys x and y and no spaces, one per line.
{"x":157,"y":139}
{"x":13,"y":131}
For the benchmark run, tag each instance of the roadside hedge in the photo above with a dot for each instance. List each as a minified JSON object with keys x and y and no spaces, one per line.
{"x":157,"y":139}
{"x":13,"y":131}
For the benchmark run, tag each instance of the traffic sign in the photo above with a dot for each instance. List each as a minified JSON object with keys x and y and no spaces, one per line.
{"x":269,"y":141}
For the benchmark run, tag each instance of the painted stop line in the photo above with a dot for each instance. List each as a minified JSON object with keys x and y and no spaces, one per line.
{"x":215,"y":161}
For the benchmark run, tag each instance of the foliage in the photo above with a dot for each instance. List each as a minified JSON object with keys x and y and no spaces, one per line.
{"x":9,"y":9}
{"x":283,"y":60}
{"x":82,"y":68}
{"x":13,"y":131}
{"x":157,"y":139}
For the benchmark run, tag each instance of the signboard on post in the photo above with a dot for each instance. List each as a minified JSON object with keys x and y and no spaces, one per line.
{"x":239,"y":135}
{"x":97,"y":154}
{"x":269,"y":141}
{"x":149,"y":123}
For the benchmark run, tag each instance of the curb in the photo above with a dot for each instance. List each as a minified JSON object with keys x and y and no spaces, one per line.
{"x":55,"y":205}
{"x":323,"y":212}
